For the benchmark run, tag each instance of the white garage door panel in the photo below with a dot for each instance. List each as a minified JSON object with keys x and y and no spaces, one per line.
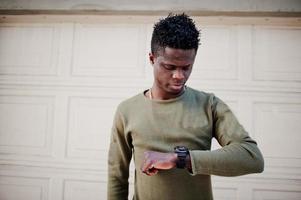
{"x":276,"y":126}
{"x":60,"y":83}
{"x":276,"y":195}
{"x":28,"y":49}
{"x":221,"y":42}
{"x":26,"y":124}
{"x":109,"y":50}
{"x":268,"y":189}
{"x":20,"y":188}
{"x":84,"y":190}
{"x":89,"y":128}
{"x":225,"y":193}
{"x":272,"y":60}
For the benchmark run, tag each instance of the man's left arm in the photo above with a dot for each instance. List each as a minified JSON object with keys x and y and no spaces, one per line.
{"x":239,"y":154}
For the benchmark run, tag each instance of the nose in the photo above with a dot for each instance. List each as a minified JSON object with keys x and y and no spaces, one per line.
{"x":178,"y":74}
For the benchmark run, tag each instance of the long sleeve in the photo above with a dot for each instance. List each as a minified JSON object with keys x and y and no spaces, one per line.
{"x":239,"y":154}
{"x":120,"y":154}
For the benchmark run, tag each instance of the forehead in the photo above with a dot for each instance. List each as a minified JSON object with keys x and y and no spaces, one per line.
{"x":177,"y":54}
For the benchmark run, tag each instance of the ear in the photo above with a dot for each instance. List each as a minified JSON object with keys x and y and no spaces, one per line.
{"x":151,"y":58}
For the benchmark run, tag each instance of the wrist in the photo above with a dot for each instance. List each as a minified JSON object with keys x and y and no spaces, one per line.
{"x":174,"y":159}
{"x":188,"y":163}
{"x":183,"y":157}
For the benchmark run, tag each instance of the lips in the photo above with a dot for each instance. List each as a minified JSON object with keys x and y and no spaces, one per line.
{"x":177,"y":86}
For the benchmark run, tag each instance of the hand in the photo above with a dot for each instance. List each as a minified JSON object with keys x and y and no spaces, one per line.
{"x":155,"y":161}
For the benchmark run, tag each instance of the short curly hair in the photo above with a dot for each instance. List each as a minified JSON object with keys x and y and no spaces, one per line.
{"x":175,"y":31}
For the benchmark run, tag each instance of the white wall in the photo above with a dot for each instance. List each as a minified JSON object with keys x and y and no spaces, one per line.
{"x":155,"y":5}
{"x":61,"y":78}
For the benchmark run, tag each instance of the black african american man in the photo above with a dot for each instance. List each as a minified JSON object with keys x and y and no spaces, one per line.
{"x":168,"y":128}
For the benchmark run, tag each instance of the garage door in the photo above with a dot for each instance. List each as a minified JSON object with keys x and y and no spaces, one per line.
{"x":61,"y":78}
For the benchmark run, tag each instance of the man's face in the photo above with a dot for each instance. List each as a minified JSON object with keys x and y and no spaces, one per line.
{"x":172,"y":68}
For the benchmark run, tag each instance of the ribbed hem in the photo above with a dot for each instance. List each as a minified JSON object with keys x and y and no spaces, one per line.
{"x":196,"y":167}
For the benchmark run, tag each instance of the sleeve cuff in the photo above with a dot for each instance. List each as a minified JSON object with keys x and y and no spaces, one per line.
{"x":197,"y":158}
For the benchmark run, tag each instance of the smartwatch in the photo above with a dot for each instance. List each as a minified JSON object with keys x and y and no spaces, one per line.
{"x":182,"y":153}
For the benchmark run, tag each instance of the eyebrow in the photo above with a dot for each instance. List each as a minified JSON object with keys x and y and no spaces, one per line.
{"x":178,"y":66}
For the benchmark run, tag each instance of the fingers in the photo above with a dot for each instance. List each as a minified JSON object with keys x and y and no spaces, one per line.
{"x":148,"y":165}
{"x":158,"y":161}
{"x":152,"y":171}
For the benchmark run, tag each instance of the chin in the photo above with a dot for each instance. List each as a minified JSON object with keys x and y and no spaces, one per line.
{"x":176,"y":91}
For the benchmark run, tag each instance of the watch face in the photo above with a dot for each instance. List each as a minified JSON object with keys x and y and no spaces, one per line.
{"x":182,"y":153}
{"x":181,"y":149}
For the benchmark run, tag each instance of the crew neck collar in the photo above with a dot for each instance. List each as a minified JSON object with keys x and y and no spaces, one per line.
{"x":166,"y":100}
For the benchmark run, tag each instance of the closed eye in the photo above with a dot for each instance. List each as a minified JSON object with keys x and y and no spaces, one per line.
{"x":186,"y":68}
{"x":170,"y":67}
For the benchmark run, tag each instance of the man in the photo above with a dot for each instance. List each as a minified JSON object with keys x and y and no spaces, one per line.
{"x":168,"y":129}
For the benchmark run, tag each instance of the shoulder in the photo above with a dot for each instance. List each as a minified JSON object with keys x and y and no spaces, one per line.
{"x":200,"y":95}
{"x":131,"y":103}
{"x":207,"y":99}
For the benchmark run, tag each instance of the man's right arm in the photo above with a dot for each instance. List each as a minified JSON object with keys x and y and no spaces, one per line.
{"x":120,"y":154}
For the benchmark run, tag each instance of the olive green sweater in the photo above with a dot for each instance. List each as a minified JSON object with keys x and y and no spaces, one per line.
{"x":190,"y":120}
